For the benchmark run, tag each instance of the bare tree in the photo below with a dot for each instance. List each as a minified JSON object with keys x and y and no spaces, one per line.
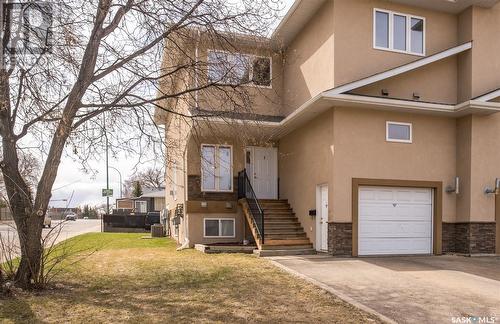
{"x":93,"y":76}
{"x":152,"y":178}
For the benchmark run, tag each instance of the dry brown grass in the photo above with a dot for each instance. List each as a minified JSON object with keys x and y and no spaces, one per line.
{"x":134,"y":280}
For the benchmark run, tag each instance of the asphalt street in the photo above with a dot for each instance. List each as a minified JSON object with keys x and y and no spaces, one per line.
{"x":60,"y":231}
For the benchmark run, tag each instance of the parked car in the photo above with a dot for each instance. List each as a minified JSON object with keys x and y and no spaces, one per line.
{"x":71,"y":217}
{"x":47,"y":221}
{"x":85,"y":217}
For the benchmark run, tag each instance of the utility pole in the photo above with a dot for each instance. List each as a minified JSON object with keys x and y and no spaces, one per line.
{"x":107,"y":170}
{"x":121,"y":184}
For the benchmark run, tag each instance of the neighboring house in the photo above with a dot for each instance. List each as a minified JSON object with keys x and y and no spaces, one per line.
{"x":151,"y":201}
{"x":124,"y":204}
{"x":375,"y":123}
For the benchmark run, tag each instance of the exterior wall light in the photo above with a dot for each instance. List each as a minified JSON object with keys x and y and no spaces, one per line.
{"x":495,"y":191}
{"x":456,"y":189}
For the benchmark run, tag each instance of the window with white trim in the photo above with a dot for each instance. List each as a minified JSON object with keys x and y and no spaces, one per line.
{"x":216,"y":168}
{"x":398,"y":32}
{"x":141,"y":206}
{"x":236,"y":68}
{"x":219,"y":227}
{"x":398,"y":132}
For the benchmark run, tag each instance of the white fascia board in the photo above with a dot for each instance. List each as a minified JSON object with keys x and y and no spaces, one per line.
{"x":220,"y":120}
{"x":489,"y":96}
{"x":391,"y":103}
{"x":399,"y":70}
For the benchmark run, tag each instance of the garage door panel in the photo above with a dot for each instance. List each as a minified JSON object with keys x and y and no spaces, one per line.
{"x":395,"y":229}
{"x":373,"y":212}
{"x":414,"y":196}
{"x":376,"y":195}
{"x":394,"y":246}
{"x":394,"y":220}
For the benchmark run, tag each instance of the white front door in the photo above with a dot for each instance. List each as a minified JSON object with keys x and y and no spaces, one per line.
{"x":394,"y":221}
{"x":322,"y":219}
{"x":262,"y":169}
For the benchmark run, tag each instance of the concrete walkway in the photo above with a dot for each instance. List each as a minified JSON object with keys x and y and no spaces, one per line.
{"x":409,"y":289}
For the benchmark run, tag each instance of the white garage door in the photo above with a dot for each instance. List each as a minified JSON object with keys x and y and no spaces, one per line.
{"x":394,"y":221}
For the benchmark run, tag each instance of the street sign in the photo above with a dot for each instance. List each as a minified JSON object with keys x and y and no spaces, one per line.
{"x":107,"y":192}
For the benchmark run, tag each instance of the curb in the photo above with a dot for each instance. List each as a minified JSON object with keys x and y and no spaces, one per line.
{"x":335,"y":292}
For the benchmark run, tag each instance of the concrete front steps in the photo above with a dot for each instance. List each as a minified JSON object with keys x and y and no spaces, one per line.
{"x":283,"y":233}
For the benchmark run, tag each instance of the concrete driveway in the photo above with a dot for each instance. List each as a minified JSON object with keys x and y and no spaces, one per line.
{"x":409,"y":289}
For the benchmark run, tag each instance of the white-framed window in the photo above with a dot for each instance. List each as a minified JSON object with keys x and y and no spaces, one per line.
{"x":398,"y":132}
{"x":219,"y":227}
{"x":141,"y":206}
{"x":403,"y":33}
{"x":236,"y":68}
{"x":216,"y":167}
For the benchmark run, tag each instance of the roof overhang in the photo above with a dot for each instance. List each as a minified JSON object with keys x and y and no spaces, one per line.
{"x":323,"y":102}
{"x":299,"y":14}
{"x":401,"y":69}
{"x":450,"y":6}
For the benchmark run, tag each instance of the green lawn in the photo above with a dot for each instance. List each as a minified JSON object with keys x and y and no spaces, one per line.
{"x":130,"y":279}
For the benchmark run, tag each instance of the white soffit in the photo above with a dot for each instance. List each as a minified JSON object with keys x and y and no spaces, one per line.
{"x":450,"y":6}
{"x":399,"y":70}
{"x":295,"y":19}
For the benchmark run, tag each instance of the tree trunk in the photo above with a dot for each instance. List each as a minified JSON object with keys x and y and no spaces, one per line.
{"x":29,"y":228}
{"x":28,"y":222}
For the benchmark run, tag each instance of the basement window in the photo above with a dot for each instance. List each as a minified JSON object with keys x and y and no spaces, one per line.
{"x":219,"y":227}
{"x":398,"y":132}
{"x":398,"y":32}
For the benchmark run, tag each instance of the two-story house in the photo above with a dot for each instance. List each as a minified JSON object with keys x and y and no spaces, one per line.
{"x":374,"y":130}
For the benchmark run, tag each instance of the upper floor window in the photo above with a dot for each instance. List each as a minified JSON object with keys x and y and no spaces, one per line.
{"x":235,"y":68}
{"x":398,"y":32}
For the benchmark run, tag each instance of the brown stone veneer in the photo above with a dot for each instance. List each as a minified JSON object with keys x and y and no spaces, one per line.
{"x":340,"y":238}
{"x":195,"y":193}
{"x":469,"y":238}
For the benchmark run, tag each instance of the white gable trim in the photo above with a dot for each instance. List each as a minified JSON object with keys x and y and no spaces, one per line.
{"x":489,"y":96}
{"x":399,"y":70}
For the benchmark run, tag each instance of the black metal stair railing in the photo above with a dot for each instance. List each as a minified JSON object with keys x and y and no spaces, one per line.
{"x":245,"y":190}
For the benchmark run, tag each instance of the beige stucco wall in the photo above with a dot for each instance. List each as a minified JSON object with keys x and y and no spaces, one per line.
{"x":485,"y":153}
{"x":485,"y":62}
{"x":355,"y":57}
{"x":176,"y":134}
{"x":246,"y":98}
{"x":309,"y":67}
{"x":305,"y":161}
{"x":463,"y":162}
{"x":336,"y":47}
{"x":361,"y":151}
{"x":195,"y":228}
{"x":422,"y":81}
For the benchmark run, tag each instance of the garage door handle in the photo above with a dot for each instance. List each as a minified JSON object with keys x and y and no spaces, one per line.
{"x":394,"y":205}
